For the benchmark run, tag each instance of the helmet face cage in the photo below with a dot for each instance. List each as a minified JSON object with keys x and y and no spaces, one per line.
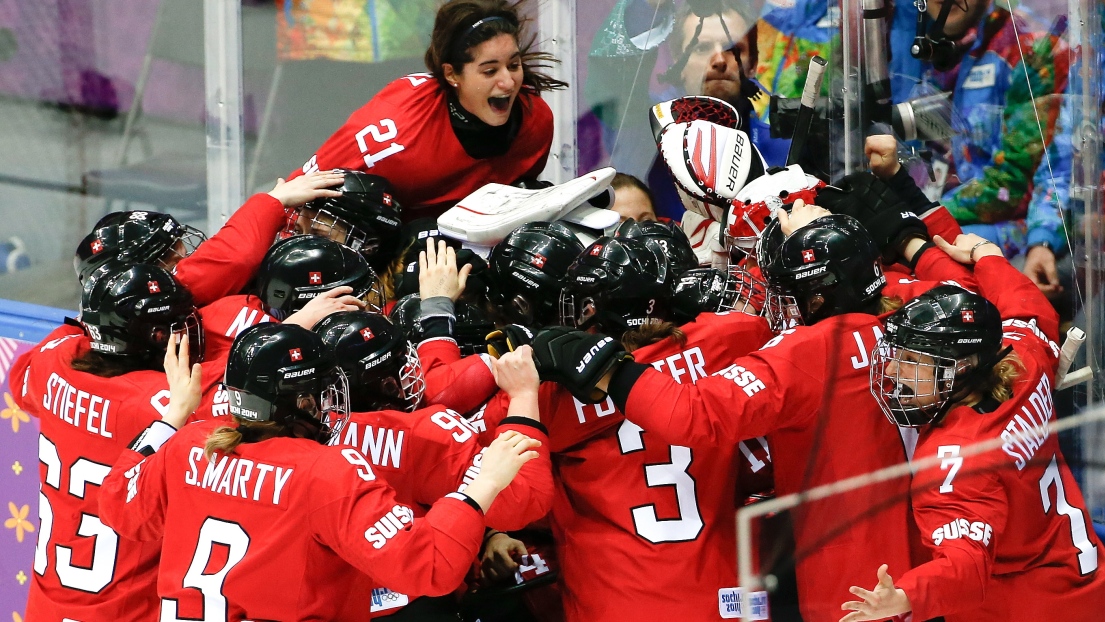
{"x":567,"y":306}
{"x":411,"y":380}
{"x":334,"y":406}
{"x":912,"y":388}
{"x":187,"y":239}
{"x":743,"y":292}
{"x":781,"y":309}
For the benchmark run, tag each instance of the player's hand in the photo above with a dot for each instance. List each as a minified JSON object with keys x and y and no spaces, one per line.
{"x":577,"y":360}
{"x":297,"y":192}
{"x":1039,"y":267}
{"x":326,"y":303}
{"x":882,"y":152}
{"x":800,"y":215}
{"x":501,"y":462}
{"x":966,"y":245}
{"x":886,"y":601}
{"x":500,"y":557}
{"x":184,"y":381}
{"x":438,"y":274}
{"x":516,"y":374}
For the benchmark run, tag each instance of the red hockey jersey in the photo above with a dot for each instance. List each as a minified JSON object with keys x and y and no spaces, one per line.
{"x":807,"y":391}
{"x":404,"y":134}
{"x":460,"y":383}
{"x":225,"y":318}
{"x":275,"y":529}
{"x":224,"y":264}
{"x":1008,"y":528}
{"x":644,"y":529}
{"x":83,"y":570}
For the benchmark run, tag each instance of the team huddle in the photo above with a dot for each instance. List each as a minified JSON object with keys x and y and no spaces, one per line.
{"x":331,"y":411}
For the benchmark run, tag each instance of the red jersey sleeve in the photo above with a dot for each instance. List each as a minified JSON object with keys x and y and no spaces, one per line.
{"x":133,"y":496}
{"x":225,"y":263}
{"x":529,"y":497}
{"x":462,"y":384}
{"x":429,"y":555}
{"x":960,"y":513}
{"x":939,"y":221}
{"x":935,"y":265}
{"x":1017,"y":298}
{"x":775,"y":387}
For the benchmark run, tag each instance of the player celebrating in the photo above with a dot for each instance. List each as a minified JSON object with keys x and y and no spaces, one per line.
{"x":1007,"y":528}
{"x":477,"y":115}
{"x":94,"y":386}
{"x":806,"y":389}
{"x":260,"y":496}
{"x":432,"y":451}
{"x":661,"y":514}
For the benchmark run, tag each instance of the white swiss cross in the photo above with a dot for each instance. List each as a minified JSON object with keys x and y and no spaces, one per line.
{"x":596,"y":249}
{"x":539,"y":261}
{"x":807,"y":255}
{"x":387,"y":200}
{"x":315,"y":278}
{"x":367,"y":333}
{"x":153,"y":287}
{"x":97,"y":246}
{"x":295,"y":354}
{"x":968,"y":316}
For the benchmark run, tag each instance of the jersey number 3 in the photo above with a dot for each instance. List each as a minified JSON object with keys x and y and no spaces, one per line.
{"x":214,"y":531}
{"x":648,"y":525}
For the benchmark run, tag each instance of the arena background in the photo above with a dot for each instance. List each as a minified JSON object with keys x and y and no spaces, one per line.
{"x":188,"y":107}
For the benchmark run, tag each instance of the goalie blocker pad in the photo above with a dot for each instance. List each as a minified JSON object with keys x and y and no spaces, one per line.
{"x":710,"y":163}
{"x":487,"y":215}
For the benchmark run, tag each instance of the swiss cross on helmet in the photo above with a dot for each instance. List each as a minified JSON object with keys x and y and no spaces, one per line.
{"x":136,"y":237}
{"x":366,"y":217}
{"x":756,"y":204}
{"x":626,"y":285}
{"x":133,"y":309}
{"x":296,"y":270}
{"x":384,"y":369}
{"x":526,"y":271}
{"x":937,"y":349}
{"x":285,"y":373}
{"x":828,"y":267}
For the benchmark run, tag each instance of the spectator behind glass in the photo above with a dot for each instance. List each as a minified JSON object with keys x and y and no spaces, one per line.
{"x":717,"y":63}
{"x":992,"y":175}
{"x":632,"y":198}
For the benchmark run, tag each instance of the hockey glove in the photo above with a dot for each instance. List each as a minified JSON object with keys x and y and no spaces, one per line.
{"x":877,"y":207}
{"x":508,"y":339}
{"x":577,"y":360}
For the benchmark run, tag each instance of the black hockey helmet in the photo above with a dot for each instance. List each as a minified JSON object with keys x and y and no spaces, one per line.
{"x":527,"y":271}
{"x":470,"y":329}
{"x":478,"y":278}
{"x":136,"y":237}
{"x":285,"y":373}
{"x":366,"y":217}
{"x":133,"y":309}
{"x":374,"y":354}
{"x":709,"y":290}
{"x":936,"y":350}
{"x":826,"y":268}
{"x":616,"y":284}
{"x":298,"y":269}
{"x":668,"y":236}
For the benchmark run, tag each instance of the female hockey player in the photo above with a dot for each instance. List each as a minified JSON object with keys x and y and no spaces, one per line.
{"x":1007,"y":526}
{"x":259,"y":519}
{"x":476,"y":117}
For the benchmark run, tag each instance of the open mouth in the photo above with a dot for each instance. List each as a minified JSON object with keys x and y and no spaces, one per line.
{"x":500,"y":104}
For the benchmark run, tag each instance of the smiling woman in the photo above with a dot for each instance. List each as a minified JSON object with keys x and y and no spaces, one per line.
{"x":475,"y":118}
